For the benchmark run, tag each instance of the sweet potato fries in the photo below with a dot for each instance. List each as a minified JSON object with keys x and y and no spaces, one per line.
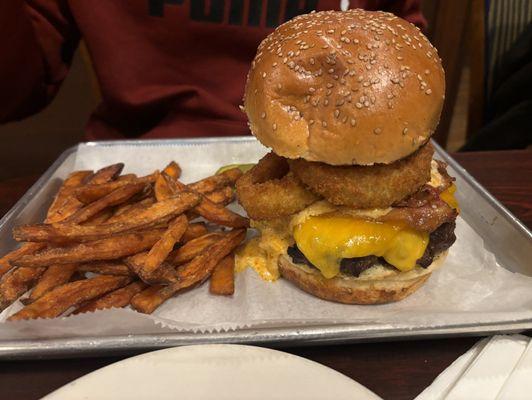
{"x":111,"y":240}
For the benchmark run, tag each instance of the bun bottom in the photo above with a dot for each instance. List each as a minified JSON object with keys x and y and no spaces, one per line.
{"x":353,"y":290}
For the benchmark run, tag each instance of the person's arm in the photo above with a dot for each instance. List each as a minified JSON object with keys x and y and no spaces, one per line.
{"x":406,"y":9}
{"x":37,"y":40}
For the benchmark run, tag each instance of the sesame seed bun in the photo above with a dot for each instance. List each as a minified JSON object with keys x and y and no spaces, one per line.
{"x":344,"y":88}
{"x":377,"y":285}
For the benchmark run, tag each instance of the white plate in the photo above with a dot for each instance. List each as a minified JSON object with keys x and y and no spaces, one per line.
{"x":214,"y":372}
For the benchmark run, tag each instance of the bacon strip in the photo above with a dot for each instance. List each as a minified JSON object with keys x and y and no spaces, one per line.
{"x":425,"y":215}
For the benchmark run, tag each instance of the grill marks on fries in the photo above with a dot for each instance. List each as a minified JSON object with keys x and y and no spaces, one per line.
{"x":190,"y":274}
{"x":222,"y":280}
{"x":157,"y":213}
{"x":55,"y":275}
{"x":116,"y":299}
{"x":123,"y":228}
{"x":60,"y":299}
{"x":111,"y":248}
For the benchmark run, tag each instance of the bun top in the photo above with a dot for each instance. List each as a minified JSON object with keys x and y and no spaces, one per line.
{"x":353,"y":87}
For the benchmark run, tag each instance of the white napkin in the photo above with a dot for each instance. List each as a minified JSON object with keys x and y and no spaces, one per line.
{"x":496,"y":368}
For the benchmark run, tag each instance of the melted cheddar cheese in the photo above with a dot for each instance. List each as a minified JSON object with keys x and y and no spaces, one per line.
{"x":326,"y":239}
{"x":326,"y":233}
{"x":448,"y":196}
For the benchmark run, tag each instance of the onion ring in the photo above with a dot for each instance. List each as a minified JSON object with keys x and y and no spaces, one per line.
{"x":269,"y":190}
{"x":375,"y":186}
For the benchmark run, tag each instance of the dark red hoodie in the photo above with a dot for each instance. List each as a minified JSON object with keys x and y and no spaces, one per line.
{"x":166,"y":68}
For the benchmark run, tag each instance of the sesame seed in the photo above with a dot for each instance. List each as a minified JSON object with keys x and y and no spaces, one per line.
{"x":324,"y":124}
{"x":405,"y":131}
{"x":274,"y":127}
{"x":264,"y":74}
{"x":279,"y":86}
{"x":358,"y":105}
{"x":326,"y":102}
{"x":427,"y":72}
{"x":336,"y":113}
{"x":377,"y":131}
{"x":329,"y":85}
{"x":353,"y":122}
{"x":263,"y":115}
{"x":311,"y":122}
{"x":428,"y":91}
{"x":312,"y":90}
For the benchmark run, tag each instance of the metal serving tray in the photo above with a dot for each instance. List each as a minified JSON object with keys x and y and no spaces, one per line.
{"x":504,"y":235}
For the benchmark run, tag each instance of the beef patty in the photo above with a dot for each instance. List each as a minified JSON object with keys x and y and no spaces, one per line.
{"x":439,"y":240}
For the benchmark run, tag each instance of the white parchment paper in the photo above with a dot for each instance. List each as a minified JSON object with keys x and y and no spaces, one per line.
{"x":471,"y":287}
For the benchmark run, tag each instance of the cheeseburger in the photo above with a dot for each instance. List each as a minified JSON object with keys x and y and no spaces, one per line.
{"x":349,"y":204}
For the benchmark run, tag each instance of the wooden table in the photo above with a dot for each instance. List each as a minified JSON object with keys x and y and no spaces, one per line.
{"x":394,"y":370}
